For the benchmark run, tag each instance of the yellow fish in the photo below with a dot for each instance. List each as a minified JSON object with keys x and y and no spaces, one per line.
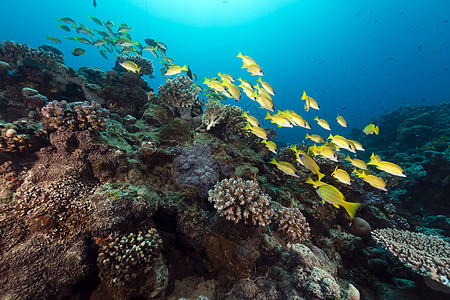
{"x":130,"y":66}
{"x":233,"y":90}
{"x":341,"y":175}
{"x":214,"y":84}
{"x":175,"y":69}
{"x":252,"y":120}
{"x":315,"y":138}
{"x":314,"y":150}
{"x":315,"y":184}
{"x":246,"y":83}
{"x":311,"y":101}
{"x":373,"y":180}
{"x":322,"y":123}
{"x":356,"y":162}
{"x":342,"y":142}
{"x":254,"y":70}
{"x":270,"y":145}
{"x":266,"y":86}
{"x":258,"y":131}
{"x":375,"y":158}
{"x":370,"y":129}
{"x":332,"y":195}
{"x":279,"y":120}
{"x":248,"y":92}
{"x":327,"y":152}
{"x":226,"y":77}
{"x":262,"y":91}
{"x":388,"y":167}
{"x":341,"y":121}
{"x":53,"y":39}
{"x":285,"y":167}
{"x":247,"y":59}
{"x":357,"y":145}
{"x":294,"y":118}
{"x":264,"y":102}
{"x":307,"y":162}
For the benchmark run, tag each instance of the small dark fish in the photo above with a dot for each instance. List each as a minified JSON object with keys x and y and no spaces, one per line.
{"x":78,"y":51}
{"x":95,"y":3}
{"x":150,"y":42}
{"x":189,"y":72}
{"x":64,"y":27}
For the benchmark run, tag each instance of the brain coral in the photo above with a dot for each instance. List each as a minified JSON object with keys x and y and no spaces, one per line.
{"x":237,"y":200}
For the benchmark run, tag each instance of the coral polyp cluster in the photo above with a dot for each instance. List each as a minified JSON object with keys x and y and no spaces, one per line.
{"x":128,"y":257}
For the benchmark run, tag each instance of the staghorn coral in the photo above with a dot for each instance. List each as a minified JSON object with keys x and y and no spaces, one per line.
{"x":179,"y":92}
{"x":292,"y":225}
{"x":62,"y":116}
{"x":237,"y":200}
{"x":428,"y":256}
{"x":126,"y":258}
{"x":213,"y":113}
{"x":145,"y":64}
{"x":21,"y":136}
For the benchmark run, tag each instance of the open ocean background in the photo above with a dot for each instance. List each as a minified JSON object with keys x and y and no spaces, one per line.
{"x":356,"y":58}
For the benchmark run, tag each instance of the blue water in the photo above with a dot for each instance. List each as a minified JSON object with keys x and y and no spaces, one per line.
{"x":357,"y":58}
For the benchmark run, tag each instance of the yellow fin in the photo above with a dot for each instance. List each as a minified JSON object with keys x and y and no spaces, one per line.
{"x":351,"y":208}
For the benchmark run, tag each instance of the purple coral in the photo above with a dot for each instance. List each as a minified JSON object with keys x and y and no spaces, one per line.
{"x":62,"y":116}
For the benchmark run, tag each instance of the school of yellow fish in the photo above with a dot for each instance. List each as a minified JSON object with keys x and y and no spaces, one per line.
{"x":262,"y":93}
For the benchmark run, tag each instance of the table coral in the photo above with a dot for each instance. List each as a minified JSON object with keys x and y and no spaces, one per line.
{"x":237,"y":200}
{"x":428,"y":256}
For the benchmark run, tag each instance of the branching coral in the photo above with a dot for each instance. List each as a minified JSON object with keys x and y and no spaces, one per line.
{"x":74,"y":116}
{"x":237,"y":200}
{"x":145,"y":64}
{"x":234,"y":121}
{"x":426,"y":255}
{"x":179,"y":92}
{"x":292,"y":225}
{"x":214,"y":112}
{"x":129,"y":257}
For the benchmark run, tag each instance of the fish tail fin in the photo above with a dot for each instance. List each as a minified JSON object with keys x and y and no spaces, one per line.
{"x":307,"y":136}
{"x":294,"y":148}
{"x":348,"y":158}
{"x":376,"y":130}
{"x":245,"y":113}
{"x":273,"y":161}
{"x":184,"y":68}
{"x":316,"y":118}
{"x":268,"y":116}
{"x":309,"y":180}
{"x":247,"y":126}
{"x":330,"y":137}
{"x":240,"y":55}
{"x":351,"y":208}
{"x":304,"y":95}
{"x":259,"y":79}
{"x":320,"y":175}
{"x":264,"y":141}
{"x":335,"y":170}
{"x":372,"y":162}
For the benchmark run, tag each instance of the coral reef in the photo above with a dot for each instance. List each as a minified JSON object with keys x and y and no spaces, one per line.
{"x":428,"y":256}
{"x":238,"y":199}
{"x":145,"y":64}
{"x":21,"y":136}
{"x":60,"y":115}
{"x":213,"y":113}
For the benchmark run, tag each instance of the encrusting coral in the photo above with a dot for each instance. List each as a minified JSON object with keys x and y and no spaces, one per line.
{"x":145,"y":64}
{"x":426,"y":255}
{"x":61,"y":116}
{"x":238,"y":199}
{"x":128,"y":257}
